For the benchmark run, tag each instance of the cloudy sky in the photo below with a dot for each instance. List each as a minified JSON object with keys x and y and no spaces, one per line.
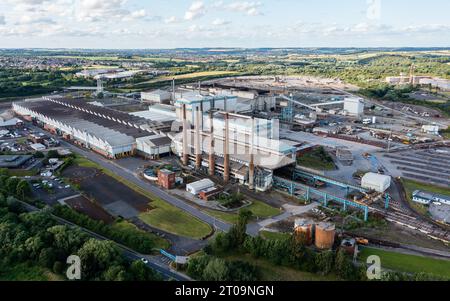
{"x":223,"y":23}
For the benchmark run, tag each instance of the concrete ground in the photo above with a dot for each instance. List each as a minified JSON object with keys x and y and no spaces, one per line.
{"x":440,"y":212}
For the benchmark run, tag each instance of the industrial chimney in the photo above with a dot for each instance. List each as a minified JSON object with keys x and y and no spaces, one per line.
{"x":212,"y":161}
{"x":185,"y":138}
{"x":198,"y":151}
{"x":251,"y":167}
{"x":226,"y":154}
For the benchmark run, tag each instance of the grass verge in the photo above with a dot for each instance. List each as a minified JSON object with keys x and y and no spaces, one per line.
{"x":408,"y":263}
{"x":163,"y":216}
{"x":259,"y":209}
{"x":171,"y":219}
{"x":271,"y":272}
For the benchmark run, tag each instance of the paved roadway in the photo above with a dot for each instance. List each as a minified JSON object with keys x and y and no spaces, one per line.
{"x":153,"y":261}
{"x":133,"y":178}
{"x":252,"y":229}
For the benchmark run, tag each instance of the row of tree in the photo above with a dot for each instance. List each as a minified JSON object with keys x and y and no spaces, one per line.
{"x":289,"y":251}
{"x":34,"y":237}
{"x":130,"y":237}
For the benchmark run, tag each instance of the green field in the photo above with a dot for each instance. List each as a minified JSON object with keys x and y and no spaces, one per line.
{"x":160,"y":243}
{"x":259,"y":209}
{"x":171,"y":219}
{"x":411,"y":185}
{"x":271,"y":272}
{"x":408,"y":263}
{"x":26,"y":272}
{"x":316,"y":159}
{"x":164,"y":216}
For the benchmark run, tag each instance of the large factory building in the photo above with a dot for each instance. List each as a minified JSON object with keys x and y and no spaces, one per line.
{"x":111,"y":133}
{"x":251,"y":155}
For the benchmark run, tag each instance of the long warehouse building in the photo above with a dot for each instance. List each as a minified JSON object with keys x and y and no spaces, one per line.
{"x":111,"y":133}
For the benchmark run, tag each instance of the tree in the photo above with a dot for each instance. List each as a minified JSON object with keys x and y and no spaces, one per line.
{"x":33,"y":246}
{"x":196,"y":265}
{"x":324,"y":262}
{"x":66,"y":239}
{"x":238,"y":232}
{"x":47,"y":257}
{"x":140,"y":272}
{"x":39,"y":154}
{"x":52,"y":154}
{"x":115,"y":273}
{"x":216,"y":270}
{"x":58,"y":267}
{"x":243,"y":271}
{"x":11,"y":185}
{"x":97,"y":256}
{"x":343,"y":265}
{"x":23,"y":189}
{"x":221,"y":243}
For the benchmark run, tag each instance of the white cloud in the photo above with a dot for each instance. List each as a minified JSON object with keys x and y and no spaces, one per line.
{"x":249,"y":8}
{"x":196,"y":10}
{"x":220,"y":22}
{"x":171,"y":20}
{"x":2,"y":20}
{"x":105,"y":10}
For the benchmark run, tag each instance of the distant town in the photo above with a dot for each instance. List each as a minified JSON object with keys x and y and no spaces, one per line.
{"x":178,"y":161}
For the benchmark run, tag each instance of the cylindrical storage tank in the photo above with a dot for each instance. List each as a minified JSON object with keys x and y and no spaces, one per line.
{"x":303,"y":229}
{"x":325,"y":235}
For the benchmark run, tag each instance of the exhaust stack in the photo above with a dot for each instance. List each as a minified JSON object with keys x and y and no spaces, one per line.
{"x":226,"y":154}
{"x":251,"y":168}
{"x":185,"y":138}
{"x":212,"y":160}
{"x":198,"y":151}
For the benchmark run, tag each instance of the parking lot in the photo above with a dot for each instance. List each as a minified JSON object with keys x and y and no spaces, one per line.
{"x":51,"y":190}
{"x":116,"y":198}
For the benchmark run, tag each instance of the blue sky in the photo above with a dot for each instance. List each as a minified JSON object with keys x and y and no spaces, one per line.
{"x":226,"y":23}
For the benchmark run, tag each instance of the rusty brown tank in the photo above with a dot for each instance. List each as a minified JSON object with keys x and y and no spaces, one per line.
{"x":324,"y":235}
{"x":303,"y":230}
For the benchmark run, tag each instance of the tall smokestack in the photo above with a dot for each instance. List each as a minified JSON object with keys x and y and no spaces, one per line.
{"x":185,"y":138}
{"x":198,"y":151}
{"x":226,"y":154}
{"x":173,"y":89}
{"x":251,"y":167}
{"x":212,"y":158}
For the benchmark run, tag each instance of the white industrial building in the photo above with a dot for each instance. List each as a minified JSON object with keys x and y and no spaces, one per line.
{"x":111,"y":133}
{"x":158,"y":112}
{"x":354,"y":106}
{"x":427,"y":197}
{"x":193,"y":100}
{"x":375,"y":181}
{"x":156,"y":96}
{"x":196,"y":187}
{"x":251,"y":154}
{"x":153,"y":147}
{"x":431,"y":129}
